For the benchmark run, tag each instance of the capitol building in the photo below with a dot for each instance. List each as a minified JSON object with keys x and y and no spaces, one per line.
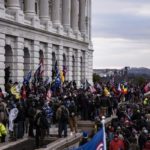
{"x":55,"y":30}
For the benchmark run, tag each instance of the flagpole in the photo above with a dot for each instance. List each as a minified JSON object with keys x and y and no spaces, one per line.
{"x":104,"y":133}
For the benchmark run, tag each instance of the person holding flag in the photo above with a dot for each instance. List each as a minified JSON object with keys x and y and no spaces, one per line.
{"x":98,"y":142}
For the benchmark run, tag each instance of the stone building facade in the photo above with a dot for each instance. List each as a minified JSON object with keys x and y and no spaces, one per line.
{"x":53,"y":29}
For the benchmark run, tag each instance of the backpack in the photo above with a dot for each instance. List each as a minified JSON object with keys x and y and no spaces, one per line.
{"x":64,"y":115}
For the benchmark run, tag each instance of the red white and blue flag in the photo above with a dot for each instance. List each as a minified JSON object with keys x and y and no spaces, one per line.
{"x":97,"y":142}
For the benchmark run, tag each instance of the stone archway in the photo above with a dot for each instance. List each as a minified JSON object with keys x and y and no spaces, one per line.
{"x":8,"y":63}
{"x":41,"y":55}
{"x":64,"y":60}
{"x":53,"y":64}
{"x":26,"y":61}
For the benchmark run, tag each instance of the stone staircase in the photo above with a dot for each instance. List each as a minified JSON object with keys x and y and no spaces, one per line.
{"x":53,"y":142}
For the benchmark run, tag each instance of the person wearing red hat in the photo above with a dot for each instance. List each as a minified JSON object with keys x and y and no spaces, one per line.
{"x":116,"y":144}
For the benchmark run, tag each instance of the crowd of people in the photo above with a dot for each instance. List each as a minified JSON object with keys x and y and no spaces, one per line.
{"x":36,"y":108}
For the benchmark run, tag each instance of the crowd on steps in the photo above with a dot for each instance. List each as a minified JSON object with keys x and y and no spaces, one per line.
{"x":28,"y":107}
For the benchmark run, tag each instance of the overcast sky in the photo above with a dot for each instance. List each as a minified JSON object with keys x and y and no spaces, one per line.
{"x":121,"y":33}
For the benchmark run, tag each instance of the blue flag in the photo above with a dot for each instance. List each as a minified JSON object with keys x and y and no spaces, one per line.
{"x":27,"y":77}
{"x":97,"y":142}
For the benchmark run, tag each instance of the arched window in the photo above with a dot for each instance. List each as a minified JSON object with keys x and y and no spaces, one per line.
{"x":73,"y":68}
{"x":8,"y":63}
{"x":81,"y":65}
{"x":26,"y":61}
{"x":53,"y":64}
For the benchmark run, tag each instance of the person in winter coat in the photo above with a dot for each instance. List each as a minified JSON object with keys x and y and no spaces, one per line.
{"x":134,"y":145}
{"x":41,"y":125}
{"x":3,"y":112}
{"x":116,"y":144}
{"x":143,"y":138}
{"x":73,"y":117}
{"x":12,"y":116}
{"x":49,"y":114}
{"x":62,"y":116}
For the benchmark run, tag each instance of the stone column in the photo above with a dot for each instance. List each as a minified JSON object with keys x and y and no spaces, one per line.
{"x":90,"y":69}
{"x":13,"y":4}
{"x":44,"y":14}
{"x":78,"y":68}
{"x":74,"y":15}
{"x":60,"y":57}
{"x":48,"y":61}
{"x":86,"y":69}
{"x":30,"y":8}
{"x":35,"y":55}
{"x":66,"y":14}
{"x":56,"y":13}
{"x":44,"y":10}
{"x":2,"y":60}
{"x":18,"y":60}
{"x":2,"y":9}
{"x":69,"y":69}
{"x":82,"y":23}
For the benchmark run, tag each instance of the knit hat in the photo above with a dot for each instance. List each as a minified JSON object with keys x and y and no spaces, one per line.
{"x":85,"y":135}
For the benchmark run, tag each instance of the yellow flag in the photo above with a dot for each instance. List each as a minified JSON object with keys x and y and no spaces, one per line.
{"x":14,"y":92}
{"x":62,"y":76}
{"x":106,"y":92}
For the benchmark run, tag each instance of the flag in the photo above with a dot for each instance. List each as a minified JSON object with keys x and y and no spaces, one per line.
{"x":147,"y":87}
{"x":47,"y":81}
{"x":15,"y":91}
{"x":27,"y":77}
{"x":55,"y":70}
{"x":39,"y":71}
{"x":124,"y":90}
{"x":37,"y":74}
{"x":92,"y":89}
{"x":62,"y":76}
{"x":106,"y":92}
{"x":86,"y":84}
{"x":119,"y":88}
{"x":97,"y":142}
{"x":48,"y":95}
{"x":64,"y":70}
{"x":42,"y":67}
{"x":23,"y":92}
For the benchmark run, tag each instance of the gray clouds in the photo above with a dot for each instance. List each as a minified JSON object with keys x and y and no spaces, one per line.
{"x":121,"y":30}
